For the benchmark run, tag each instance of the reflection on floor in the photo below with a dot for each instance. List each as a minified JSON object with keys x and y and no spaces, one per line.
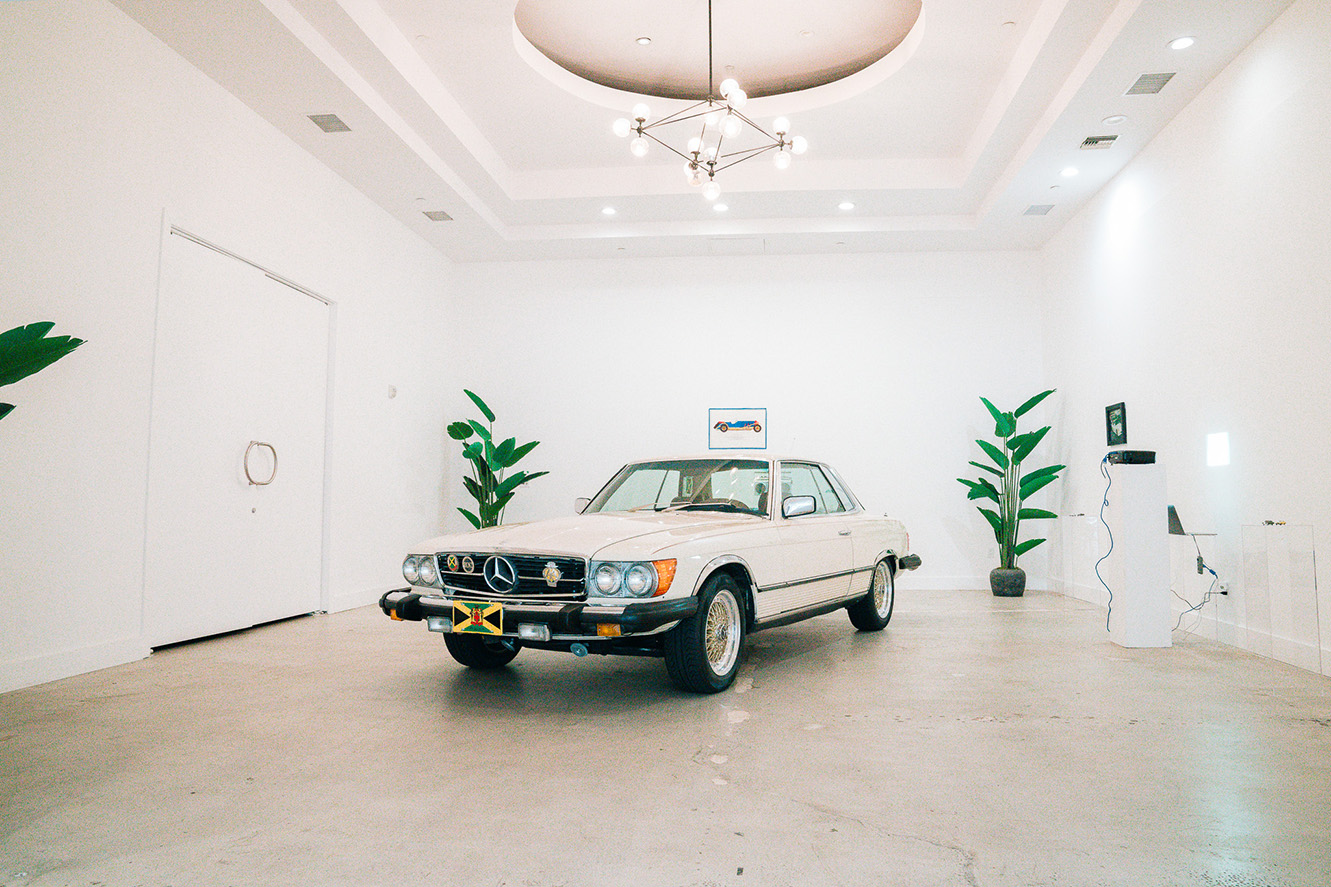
{"x":976,"y":741}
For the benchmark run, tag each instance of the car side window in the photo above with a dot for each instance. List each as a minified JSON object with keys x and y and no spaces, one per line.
{"x":832,"y":503}
{"x":798,"y":479}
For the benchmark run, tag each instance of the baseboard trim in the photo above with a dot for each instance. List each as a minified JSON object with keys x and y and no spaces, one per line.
{"x":20,"y":673}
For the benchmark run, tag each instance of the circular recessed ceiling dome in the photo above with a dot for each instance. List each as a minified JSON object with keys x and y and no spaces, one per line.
{"x":771,"y":49}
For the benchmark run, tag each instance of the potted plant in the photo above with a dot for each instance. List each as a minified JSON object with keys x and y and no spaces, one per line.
{"x":25,"y":350}
{"x":490,"y":484}
{"x":1010,"y":491}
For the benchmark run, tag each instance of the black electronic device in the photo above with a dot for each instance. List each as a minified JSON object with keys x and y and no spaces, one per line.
{"x":1131,"y":457}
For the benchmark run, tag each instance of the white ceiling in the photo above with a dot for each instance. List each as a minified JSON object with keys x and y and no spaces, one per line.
{"x":959,"y":130}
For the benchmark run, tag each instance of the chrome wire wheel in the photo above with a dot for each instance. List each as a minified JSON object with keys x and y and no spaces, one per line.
{"x":882,"y":590}
{"x":723,"y":633}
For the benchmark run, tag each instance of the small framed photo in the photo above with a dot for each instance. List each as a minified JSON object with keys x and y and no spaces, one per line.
{"x":1116,"y":425}
{"x":737,"y":429}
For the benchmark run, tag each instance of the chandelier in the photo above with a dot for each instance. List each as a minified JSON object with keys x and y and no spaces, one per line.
{"x":721,"y":135}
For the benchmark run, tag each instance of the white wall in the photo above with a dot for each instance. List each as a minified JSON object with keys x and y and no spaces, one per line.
{"x":873,"y":363}
{"x":1196,"y":288}
{"x":105,"y":130}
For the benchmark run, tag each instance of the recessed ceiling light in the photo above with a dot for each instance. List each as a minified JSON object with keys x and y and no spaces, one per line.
{"x":1182,"y":42}
{"x":720,"y":207}
{"x":607,"y":210}
{"x":1009,"y":24}
{"x":1069,"y":172}
{"x":644,"y":41}
{"x":1115,"y":120}
{"x":806,"y":33}
{"x":845,"y":205}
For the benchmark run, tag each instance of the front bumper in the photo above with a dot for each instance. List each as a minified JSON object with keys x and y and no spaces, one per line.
{"x":567,"y":621}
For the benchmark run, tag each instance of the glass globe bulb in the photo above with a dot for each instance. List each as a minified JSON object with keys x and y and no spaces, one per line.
{"x":638,"y":147}
{"x":731,"y":127}
{"x":781,"y":125}
{"x":799,"y":144}
{"x":729,"y":85}
{"x":711,"y":190}
{"x":737,"y":98}
{"x":622,"y":127}
{"x":713,"y":119}
{"x":695,"y":175}
{"x":782,"y":160}
{"x":695,"y":145}
{"x":640,"y":111}
{"x":710,"y":153}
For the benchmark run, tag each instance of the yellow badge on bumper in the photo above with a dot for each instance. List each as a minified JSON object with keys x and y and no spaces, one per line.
{"x":478,"y":618}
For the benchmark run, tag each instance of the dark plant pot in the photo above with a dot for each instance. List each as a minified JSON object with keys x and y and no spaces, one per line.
{"x":1007,"y":583}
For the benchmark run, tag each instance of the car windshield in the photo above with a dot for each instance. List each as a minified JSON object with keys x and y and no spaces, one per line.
{"x":730,"y":485}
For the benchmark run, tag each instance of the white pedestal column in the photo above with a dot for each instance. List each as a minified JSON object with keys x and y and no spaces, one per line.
{"x":1138,"y":569}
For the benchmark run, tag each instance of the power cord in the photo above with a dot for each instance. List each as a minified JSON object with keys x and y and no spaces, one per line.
{"x":1104,"y":503}
{"x":1215,"y":578}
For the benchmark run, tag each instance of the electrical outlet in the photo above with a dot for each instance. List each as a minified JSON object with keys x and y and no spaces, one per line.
{"x":1224,"y":588}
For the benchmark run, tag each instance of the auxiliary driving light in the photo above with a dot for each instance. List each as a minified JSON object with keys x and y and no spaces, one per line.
{"x":531,"y":631}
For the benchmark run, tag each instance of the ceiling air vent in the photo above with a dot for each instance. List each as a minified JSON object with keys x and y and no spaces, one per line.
{"x":1150,"y":84}
{"x":1038,"y":209}
{"x":1093,"y":142}
{"x":329,"y":123}
{"x":438,"y":215}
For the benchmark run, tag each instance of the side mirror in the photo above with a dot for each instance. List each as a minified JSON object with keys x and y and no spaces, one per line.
{"x":580,"y":504}
{"x":794,"y":506}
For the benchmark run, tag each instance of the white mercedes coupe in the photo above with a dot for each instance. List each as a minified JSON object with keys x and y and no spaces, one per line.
{"x":677,"y":558}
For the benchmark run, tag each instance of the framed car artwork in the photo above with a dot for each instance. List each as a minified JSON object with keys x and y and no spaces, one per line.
{"x":737,"y":429}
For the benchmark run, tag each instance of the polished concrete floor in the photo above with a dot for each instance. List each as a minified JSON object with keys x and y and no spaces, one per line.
{"x":974,"y":742}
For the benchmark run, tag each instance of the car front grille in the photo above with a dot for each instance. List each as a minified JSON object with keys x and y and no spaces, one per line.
{"x":534,"y":571}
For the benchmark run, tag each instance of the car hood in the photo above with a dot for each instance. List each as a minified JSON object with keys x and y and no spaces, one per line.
{"x":585,"y":534}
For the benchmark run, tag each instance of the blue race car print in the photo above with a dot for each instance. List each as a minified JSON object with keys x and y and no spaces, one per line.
{"x":745,"y":425}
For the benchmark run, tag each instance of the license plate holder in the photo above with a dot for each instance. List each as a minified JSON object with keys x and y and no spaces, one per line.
{"x":478,"y":617}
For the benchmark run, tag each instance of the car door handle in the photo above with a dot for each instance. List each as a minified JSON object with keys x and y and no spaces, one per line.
{"x":843,"y":533}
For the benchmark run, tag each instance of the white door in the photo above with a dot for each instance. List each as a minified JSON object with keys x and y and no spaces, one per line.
{"x":241,"y":368}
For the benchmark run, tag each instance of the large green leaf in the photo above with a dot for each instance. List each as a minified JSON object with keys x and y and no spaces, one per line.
{"x":1041,"y":472}
{"x":994,"y":521}
{"x":459,"y":431}
{"x":480,"y":405}
{"x":474,"y":488}
{"x":1024,"y":547}
{"x":994,"y":453}
{"x":519,"y":452}
{"x":534,"y":475}
{"x":504,"y":453}
{"x":1035,"y":514}
{"x":980,"y":489}
{"x":473,"y":451}
{"x":1028,"y":405}
{"x":988,"y":468}
{"x":475,"y":521}
{"x":5,"y":409}
{"x":1004,"y":423}
{"x":510,"y":483}
{"x":1038,"y":483}
{"x":1022,"y":444}
{"x":24,"y":350}
{"x":501,"y":502}
{"x":480,"y":429}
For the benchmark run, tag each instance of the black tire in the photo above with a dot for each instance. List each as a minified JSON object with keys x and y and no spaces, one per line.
{"x":702,"y":653}
{"x":757,"y":427}
{"x":723,"y":428}
{"x":873,"y":611}
{"x":475,"y":651}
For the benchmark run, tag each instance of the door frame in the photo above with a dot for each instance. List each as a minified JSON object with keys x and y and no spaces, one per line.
{"x":170,"y":228}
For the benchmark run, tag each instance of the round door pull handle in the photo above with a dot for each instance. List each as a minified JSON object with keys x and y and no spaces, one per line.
{"x":250,"y":477}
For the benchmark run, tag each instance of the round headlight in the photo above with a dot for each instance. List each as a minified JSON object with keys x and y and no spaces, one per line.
{"x":429,"y":571}
{"x":607,"y":579}
{"x":639,"y":580}
{"x":411,"y":570}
